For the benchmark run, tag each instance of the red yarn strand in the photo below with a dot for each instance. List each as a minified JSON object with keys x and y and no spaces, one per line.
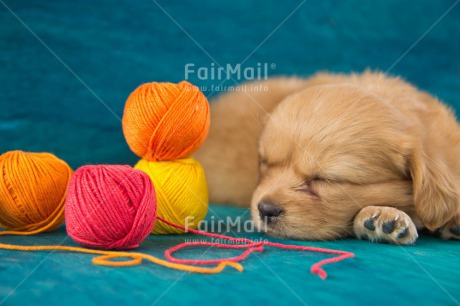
{"x":250,"y":246}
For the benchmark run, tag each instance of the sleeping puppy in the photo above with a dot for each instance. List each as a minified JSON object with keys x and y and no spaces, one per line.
{"x":337,"y":155}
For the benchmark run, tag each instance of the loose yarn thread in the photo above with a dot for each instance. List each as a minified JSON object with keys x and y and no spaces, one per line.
{"x":250,"y":246}
{"x":136,"y":258}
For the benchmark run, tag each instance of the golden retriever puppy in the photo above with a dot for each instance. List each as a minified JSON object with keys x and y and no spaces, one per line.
{"x":337,"y":155}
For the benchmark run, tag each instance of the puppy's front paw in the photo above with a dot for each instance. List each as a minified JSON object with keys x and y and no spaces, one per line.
{"x":376,"y":223}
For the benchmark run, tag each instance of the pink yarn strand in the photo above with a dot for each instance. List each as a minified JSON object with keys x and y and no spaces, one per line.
{"x":250,"y":246}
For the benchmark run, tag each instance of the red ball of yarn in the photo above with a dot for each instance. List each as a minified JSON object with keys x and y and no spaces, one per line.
{"x":110,"y":207}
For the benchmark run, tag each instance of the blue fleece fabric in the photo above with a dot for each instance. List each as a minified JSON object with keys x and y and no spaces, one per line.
{"x":68,"y":66}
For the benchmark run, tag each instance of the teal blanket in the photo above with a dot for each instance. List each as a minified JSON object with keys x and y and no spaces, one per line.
{"x":67,"y":67}
{"x":424,"y":274}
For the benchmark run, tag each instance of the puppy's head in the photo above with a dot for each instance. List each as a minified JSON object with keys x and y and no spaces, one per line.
{"x":325,"y":153}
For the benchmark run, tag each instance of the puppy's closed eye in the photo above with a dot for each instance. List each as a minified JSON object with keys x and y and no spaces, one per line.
{"x":308,"y":186}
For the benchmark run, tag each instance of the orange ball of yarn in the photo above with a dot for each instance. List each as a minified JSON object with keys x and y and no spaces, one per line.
{"x":33,"y":188}
{"x":166,"y":121}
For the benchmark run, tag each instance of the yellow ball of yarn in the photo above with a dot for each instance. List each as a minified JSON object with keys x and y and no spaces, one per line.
{"x":181,"y":190}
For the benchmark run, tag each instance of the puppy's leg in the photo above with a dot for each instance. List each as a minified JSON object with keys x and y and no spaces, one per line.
{"x":379,"y":223}
{"x":452,"y":229}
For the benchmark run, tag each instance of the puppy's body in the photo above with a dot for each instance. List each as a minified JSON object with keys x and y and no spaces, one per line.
{"x":338,"y":154}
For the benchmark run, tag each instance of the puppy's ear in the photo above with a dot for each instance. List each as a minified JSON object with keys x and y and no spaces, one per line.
{"x":436,"y":194}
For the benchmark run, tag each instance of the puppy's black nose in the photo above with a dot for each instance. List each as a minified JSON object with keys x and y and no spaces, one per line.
{"x":268,"y":211}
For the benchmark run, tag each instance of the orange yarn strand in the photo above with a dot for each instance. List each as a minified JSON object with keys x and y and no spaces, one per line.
{"x":137,"y":258}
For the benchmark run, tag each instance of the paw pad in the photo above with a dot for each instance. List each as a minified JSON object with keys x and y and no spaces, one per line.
{"x":369,"y":224}
{"x":388,"y":227}
{"x":386,"y":224}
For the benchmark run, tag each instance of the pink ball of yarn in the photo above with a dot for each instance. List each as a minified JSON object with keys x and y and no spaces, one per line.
{"x":110,"y":207}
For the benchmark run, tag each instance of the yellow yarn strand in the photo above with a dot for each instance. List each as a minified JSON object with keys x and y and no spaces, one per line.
{"x":137,"y":258}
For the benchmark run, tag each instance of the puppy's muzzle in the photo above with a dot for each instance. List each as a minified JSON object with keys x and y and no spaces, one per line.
{"x":269,"y":211}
